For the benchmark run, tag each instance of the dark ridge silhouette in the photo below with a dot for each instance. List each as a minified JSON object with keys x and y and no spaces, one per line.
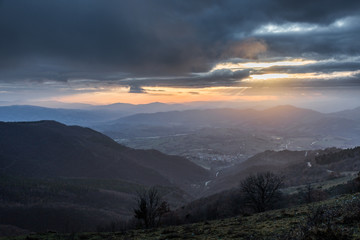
{"x":50,"y":149}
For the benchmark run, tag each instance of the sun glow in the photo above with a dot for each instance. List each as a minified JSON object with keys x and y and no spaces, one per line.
{"x":303,"y":76}
{"x":239,"y":66}
{"x":108,"y":95}
{"x":243,"y":89}
{"x":269,"y":76}
{"x":325,"y":76}
{"x":166,"y":95}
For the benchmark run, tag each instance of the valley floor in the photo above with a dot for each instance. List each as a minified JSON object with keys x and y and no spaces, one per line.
{"x":337,"y":218}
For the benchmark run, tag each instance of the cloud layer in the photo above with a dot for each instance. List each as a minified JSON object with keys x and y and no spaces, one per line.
{"x":173,"y":43}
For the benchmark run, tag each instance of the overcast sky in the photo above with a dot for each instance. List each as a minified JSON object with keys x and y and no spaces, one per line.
{"x":140,"y":51}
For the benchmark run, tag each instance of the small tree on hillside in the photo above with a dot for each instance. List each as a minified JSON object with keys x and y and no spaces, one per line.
{"x":150,"y":207}
{"x":308,"y":193}
{"x":261,"y":190}
{"x":357,"y":182}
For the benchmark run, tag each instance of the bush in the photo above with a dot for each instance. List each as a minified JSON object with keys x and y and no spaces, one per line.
{"x":327,"y":223}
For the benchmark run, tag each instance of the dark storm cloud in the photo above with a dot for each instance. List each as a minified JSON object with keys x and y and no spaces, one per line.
{"x":134,"y":35}
{"x":222,"y":77}
{"x":136,"y":89}
{"x":325,"y":42}
{"x":103,"y":40}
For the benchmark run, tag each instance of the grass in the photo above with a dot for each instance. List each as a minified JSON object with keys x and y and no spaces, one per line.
{"x":73,"y":185}
{"x":323,"y":185}
{"x":268,"y":225}
{"x":111,"y":184}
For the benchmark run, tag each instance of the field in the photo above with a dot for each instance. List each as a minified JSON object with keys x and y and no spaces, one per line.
{"x":67,"y":205}
{"x":337,"y":218}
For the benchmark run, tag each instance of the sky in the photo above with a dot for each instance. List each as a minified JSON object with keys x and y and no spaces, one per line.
{"x":141,"y":51}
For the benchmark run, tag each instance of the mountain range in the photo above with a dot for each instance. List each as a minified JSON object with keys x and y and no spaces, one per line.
{"x":84,"y":115}
{"x":215,"y":138}
{"x":158,"y":119}
{"x":71,"y":178}
{"x":285,"y":118}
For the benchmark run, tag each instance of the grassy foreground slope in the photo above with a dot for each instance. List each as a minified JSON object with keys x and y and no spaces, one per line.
{"x":70,"y":205}
{"x":337,"y":218}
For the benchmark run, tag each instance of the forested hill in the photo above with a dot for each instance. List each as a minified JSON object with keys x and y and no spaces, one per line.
{"x":50,"y":149}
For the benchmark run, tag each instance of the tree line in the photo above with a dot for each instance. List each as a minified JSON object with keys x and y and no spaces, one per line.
{"x":256,"y":193}
{"x":260,"y":191}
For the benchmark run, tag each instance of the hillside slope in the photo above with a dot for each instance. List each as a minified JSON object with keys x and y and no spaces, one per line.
{"x":298,"y":167}
{"x":342,"y":214}
{"x":71,"y":204}
{"x":51,"y":149}
{"x":69,"y":178}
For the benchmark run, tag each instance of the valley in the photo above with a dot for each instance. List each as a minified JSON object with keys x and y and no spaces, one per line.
{"x":196,"y":159}
{"x":229,"y":136}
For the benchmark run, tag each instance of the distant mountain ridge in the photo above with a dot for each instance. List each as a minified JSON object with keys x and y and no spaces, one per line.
{"x":84,"y":115}
{"x":222,"y":117}
{"x":112,"y":116}
{"x":18,"y":113}
{"x":286,"y":119}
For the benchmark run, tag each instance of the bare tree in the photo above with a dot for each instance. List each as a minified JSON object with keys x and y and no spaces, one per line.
{"x":357,"y":183}
{"x":261,"y":190}
{"x":308,"y":194}
{"x":150,"y":207}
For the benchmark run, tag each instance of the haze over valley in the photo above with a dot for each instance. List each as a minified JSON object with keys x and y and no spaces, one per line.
{"x":211,"y":137}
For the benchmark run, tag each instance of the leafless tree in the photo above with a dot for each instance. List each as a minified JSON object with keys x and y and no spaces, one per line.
{"x":261,"y":190}
{"x":309,"y":192}
{"x":150,"y":207}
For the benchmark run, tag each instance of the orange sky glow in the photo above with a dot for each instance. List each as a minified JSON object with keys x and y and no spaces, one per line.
{"x":165,"y":95}
{"x":262,"y":87}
